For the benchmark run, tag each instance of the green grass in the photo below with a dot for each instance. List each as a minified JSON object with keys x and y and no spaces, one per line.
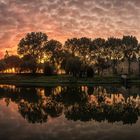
{"x":40,"y":80}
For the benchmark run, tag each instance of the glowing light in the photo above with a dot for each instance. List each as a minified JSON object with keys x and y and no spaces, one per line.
{"x":12,"y":70}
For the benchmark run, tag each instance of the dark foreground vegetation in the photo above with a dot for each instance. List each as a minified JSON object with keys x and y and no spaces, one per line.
{"x":78,"y":57}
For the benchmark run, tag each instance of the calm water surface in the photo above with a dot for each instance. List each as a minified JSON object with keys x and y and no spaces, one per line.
{"x":71,"y":113}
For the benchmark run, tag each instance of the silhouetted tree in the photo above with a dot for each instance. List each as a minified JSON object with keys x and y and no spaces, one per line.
{"x":53,"y":52}
{"x":130,"y":43}
{"x":2,"y":65}
{"x":90,"y":72}
{"x":79,"y":46}
{"x":32,"y":44}
{"x":97,"y":43}
{"x":72,"y":45}
{"x":138,"y":56}
{"x":114,"y":46}
{"x":6,"y":54}
{"x":13,"y":61}
{"x":73,"y":65}
{"x":101,"y":65}
{"x":48,"y":69}
{"x":28,"y":64}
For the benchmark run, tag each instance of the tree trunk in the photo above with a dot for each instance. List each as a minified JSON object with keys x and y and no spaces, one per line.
{"x":98,"y":71}
{"x":114,"y":67}
{"x":34,"y":71}
{"x":129,"y":66}
{"x":139,"y":66}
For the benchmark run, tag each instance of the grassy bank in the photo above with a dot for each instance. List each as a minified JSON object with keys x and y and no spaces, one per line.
{"x":40,"y":80}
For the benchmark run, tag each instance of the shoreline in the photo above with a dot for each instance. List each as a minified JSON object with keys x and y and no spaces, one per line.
{"x":62,"y":80}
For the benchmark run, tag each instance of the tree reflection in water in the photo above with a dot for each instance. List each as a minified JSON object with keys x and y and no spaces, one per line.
{"x":76,"y":103}
{"x":127,"y":113}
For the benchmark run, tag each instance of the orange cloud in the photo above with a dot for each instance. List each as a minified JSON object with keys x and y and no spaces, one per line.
{"x":62,"y":19}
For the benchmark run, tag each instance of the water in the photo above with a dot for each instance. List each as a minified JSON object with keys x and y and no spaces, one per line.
{"x":70,"y":112}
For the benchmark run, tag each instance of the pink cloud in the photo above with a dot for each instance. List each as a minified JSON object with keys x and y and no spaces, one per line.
{"x":62,"y":19}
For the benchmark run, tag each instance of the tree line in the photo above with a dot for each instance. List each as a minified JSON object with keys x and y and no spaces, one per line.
{"x":77,"y":56}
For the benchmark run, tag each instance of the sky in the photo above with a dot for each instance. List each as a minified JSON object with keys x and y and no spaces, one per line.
{"x":62,"y":19}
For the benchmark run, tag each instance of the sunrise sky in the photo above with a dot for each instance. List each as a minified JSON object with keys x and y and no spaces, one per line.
{"x":62,"y":19}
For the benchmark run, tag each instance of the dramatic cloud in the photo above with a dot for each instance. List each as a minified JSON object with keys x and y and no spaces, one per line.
{"x":62,"y":19}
